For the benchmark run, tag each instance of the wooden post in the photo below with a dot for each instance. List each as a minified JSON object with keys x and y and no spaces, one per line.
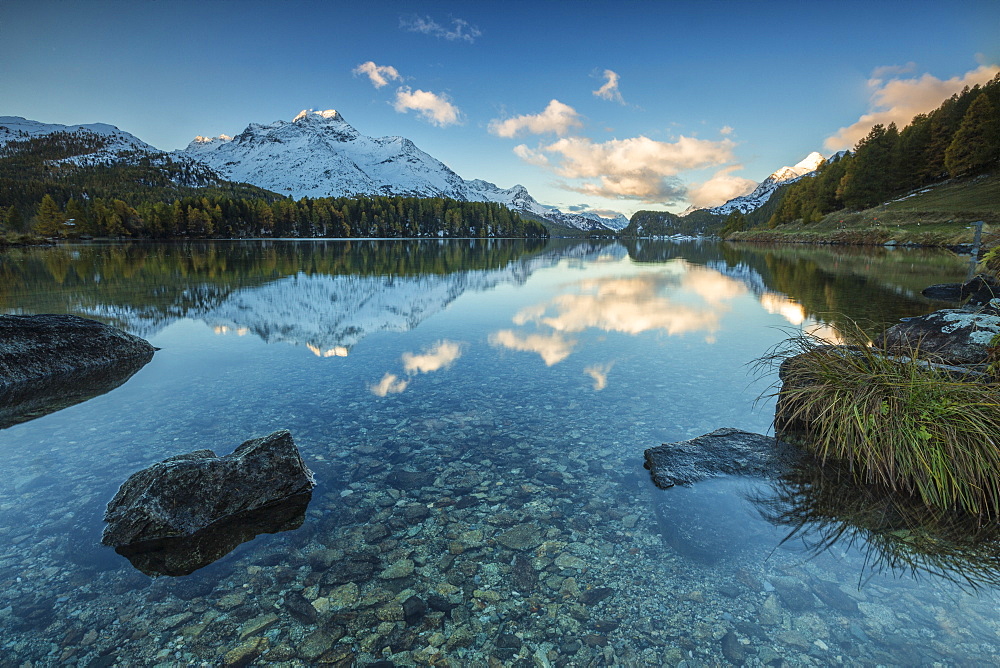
{"x":976,"y":242}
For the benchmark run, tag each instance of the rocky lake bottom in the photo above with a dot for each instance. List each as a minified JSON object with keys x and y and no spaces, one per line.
{"x":492,"y":512}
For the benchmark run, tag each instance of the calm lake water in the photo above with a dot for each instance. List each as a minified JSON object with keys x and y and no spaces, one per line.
{"x":475,"y":414}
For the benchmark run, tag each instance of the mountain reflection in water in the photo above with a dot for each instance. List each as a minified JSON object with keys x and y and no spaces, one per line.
{"x":328,"y":295}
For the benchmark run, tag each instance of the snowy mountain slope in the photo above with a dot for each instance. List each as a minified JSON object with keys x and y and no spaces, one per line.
{"x":96,"y":144}
{"x":762,"y":193}
{"x":100,"y":141}
{"x":319,"y":154}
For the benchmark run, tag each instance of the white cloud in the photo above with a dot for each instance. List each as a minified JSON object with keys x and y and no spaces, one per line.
{"x":389,"y":384}
{"x":380,"y":75}
{"x":719,"y":189}
{"x":440,"y":356}
{"x":636,"y":168}
{"x":898,"y":100}
{"x":552,"y":348}
{"x":609,"y":91}
{"x":460,"y":28}
{"x":433,"y":108}
{"x":557,"y":118}
{"x":726,"y":130}
{"x":531,"y":156}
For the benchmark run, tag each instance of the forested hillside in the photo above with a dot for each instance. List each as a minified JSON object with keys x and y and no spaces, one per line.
{"x":961,"y":138}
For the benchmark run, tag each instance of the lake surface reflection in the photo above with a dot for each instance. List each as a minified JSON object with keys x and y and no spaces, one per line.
{"x":475,"y":414}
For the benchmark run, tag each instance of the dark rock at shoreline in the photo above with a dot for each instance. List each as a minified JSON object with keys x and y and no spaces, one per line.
{"x":949,"y":336}
{"x":979,"y":291}
{"x":946,"y":292}
{"x":37,"y":346}
{"x":182,"y":495}
{"x":722,"y":452}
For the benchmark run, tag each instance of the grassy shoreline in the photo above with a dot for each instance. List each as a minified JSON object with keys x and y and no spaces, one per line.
{"x":937,"y":216}
{"x":12,"y":239}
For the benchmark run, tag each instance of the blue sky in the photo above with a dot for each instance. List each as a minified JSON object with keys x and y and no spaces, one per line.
{"x":657,"y":104}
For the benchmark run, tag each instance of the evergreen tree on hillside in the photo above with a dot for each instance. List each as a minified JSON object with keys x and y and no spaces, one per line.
{"x":914,"y":145}
{"x":12,"y":220}
{"x":945,"y":121}
{"x":871,"y":176}
{"x":976,"y":145}
{"x":735,"y":222}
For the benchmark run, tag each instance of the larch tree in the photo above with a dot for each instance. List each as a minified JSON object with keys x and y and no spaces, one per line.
{"x":50,"y":218}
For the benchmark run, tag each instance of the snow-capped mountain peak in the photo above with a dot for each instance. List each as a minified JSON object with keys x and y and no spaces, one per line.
{"x":310,"y":115}
{"x":809,"y":164}
{"x":762,"y":193}
{"x":319,"y":154}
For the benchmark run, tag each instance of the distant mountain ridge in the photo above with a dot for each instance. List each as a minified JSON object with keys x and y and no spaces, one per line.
{"x":699,"y":221}
{"x":762,"y":193}
{"x":319,"y":154}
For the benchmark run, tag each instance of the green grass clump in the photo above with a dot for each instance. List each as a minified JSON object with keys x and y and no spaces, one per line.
{"x":895,"y":421}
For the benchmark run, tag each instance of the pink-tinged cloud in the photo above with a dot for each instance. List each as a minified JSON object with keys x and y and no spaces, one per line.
{"x":722,"y":187}
{"x":637,"y":168}
{"x":553,"y":348}
{"x":440,"y":356}
{"x":898,"y":100}
{"x":389,"y":384}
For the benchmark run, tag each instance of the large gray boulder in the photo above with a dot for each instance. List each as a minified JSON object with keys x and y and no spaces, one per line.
{"x":949,"y":336}
{"x":37,"y":346}
{"x":722,"y":452}
{"x":182,"y":495}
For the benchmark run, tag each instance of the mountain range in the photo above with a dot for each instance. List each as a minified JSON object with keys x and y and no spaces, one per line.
{"x":319,"y":154}
{"x":316,"y":154}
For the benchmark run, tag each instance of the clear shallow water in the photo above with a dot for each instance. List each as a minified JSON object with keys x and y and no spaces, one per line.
{"x":475,"y":415}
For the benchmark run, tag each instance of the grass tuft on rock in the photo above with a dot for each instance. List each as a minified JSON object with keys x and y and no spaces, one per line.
{"x":898,"y":421}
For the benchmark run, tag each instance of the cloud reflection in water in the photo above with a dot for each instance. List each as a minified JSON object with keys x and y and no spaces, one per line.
{"x":599,"y":372}
{"x":439,"y":356}
{"x":692,"y":300}
{"x":553,"y":348}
